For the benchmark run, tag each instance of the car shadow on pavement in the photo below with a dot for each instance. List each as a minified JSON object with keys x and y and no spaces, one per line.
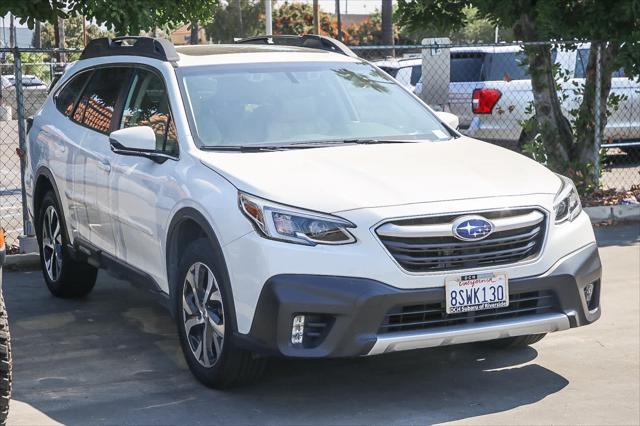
{"x":625,"y":234}
{"x":114,"y":358}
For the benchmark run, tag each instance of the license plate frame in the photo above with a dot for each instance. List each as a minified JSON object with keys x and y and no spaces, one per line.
{"x":477,"y":292}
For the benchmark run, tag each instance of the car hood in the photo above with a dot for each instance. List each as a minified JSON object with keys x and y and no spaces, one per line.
{"x":347,"y":177}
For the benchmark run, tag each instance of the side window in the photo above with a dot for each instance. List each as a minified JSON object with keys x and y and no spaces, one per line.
{"x":582,"y":60}
{"x":404,"y":75}
{"x":96,"y":106}
{"x":416,"y":73}
{"x":66,"y":98}
{"x":147,"y":104}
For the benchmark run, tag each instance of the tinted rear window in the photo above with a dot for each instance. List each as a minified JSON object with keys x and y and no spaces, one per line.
{"x":507,"y":66}
{"x":582,"y":60}
{"x":416,"y":73}
{"x":466,"y":67}
{"x":67,"y":96}
{"x":96,"y":106}
{"x":391,"y":71}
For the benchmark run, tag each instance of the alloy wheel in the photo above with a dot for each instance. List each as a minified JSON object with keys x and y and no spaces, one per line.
{"x":203,"y":314}
{"x":52,"y":243}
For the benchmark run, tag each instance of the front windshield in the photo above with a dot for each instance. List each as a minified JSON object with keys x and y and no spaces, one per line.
{"x":285,"y":103}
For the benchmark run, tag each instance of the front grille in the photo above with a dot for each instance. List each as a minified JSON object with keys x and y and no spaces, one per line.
{"x":434,"y":315}
{"x":427,"y":244}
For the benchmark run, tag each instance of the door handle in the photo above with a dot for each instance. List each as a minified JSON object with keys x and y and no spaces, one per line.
{"x":104,"y":165}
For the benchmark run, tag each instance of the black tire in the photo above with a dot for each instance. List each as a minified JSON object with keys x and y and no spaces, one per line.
{"x":515,"y":342}
{"x":232,"y":365}
{"x":65,"y":276}
{"x":5,"y":363}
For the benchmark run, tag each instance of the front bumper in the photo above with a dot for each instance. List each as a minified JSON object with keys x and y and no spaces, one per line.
{"x":353,"y":310}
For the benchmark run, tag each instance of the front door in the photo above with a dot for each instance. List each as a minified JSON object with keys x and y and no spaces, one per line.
{"x":144,"y":192}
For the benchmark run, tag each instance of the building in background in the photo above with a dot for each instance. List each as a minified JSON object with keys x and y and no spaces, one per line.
{"x":182,"y":35}
{"x":24,"y":36}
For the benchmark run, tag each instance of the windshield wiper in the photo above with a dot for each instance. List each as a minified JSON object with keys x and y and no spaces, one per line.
{"x":241,"y":148}
{"x":303,"y":145}
{"x":377,"y":141}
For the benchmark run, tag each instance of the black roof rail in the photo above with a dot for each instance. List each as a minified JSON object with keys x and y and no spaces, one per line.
{"x":149,"y":47}
{"x":311,"y":41}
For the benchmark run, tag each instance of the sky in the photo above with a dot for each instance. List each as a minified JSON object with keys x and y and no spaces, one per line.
{"x":350,"y":6}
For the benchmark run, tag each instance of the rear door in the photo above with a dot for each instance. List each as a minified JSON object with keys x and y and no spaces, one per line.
{"x":95,"y":111}
{"x":63,"y":143}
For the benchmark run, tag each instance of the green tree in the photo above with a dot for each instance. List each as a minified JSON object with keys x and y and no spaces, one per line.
{"x":230,"y":21}
{"x":72,"y":33}
{"x":124,"y":16}
{"x":615,"y":26}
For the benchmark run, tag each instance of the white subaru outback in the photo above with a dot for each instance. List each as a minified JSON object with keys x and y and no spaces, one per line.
{"x":297,"y":201}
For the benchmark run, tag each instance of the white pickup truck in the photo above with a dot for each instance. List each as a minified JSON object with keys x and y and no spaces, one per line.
{"x":490,"y":90}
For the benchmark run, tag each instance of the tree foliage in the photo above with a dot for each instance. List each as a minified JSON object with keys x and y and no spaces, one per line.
{"x":230,"y":20}
{"x":614,"y":28}
{"x":73,"y":38}
{"x":124,"y":16}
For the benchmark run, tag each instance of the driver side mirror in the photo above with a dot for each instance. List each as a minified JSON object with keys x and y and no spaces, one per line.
{"x":449,"y":119}
{"x":138,"y":141}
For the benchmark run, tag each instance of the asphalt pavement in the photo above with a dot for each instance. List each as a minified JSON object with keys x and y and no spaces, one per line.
{"x":114,"y":358}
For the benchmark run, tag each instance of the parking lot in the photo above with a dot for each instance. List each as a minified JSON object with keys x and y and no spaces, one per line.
{"x":114,"y":358}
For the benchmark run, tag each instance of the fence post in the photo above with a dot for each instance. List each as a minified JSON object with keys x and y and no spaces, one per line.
{"x":597,"y":110}
{"x":27,"y":241}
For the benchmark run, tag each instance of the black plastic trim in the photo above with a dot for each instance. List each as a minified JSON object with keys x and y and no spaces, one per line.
{"x":86,"y":251}
{"x":148,"y":47}
{"x":310,"y":41}
{"x":359,"y":306}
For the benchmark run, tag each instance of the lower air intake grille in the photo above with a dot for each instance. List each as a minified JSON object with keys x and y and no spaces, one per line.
{"x":434,"y":315}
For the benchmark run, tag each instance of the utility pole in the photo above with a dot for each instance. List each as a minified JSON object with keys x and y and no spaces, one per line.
{"x":339,"y":20}
{"x":12,"y":40}
{"x":37,"y":35}
{"x":387,"y":24}
{"x":240,"y":18}
{"x":58,"y":29}
{"x":194,"y":33}
{"x":316,"y":17}
{"x":268,"y":26}
{"x":84,"y":31}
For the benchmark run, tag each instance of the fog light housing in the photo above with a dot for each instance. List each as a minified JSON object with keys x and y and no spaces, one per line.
{"x":297,"y":330}
{"x":588,"y":292}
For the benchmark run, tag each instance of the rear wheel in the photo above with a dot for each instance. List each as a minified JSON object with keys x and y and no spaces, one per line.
{"x":515,"y":342}
{"x":65,"y":277}
{"x":204,"y":317}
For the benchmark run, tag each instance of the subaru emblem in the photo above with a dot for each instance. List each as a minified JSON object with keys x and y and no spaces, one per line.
{"x":472,"y":228}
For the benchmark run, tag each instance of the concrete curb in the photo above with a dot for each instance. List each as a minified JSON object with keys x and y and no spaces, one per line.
{"x":21,"y":262}
{"x":620,"y":213}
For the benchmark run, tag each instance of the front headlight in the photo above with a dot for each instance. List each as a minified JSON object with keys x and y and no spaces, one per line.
{"x":566,"y":205}
{"x":294,"y":225}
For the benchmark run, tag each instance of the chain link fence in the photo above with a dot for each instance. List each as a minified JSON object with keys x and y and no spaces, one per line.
{"x":25,"y":77}
{"x":486,"y":86}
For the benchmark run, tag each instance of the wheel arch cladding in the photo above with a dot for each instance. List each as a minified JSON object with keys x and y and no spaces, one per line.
{"x":188,"y":225}
{"x":44,"y":184}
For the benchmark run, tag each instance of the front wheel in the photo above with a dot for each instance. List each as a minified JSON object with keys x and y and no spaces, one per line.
{"x":204,"y":317}
{"x":65,"y":277}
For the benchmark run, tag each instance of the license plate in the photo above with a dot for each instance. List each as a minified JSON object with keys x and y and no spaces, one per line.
{"x":476,"y":292}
